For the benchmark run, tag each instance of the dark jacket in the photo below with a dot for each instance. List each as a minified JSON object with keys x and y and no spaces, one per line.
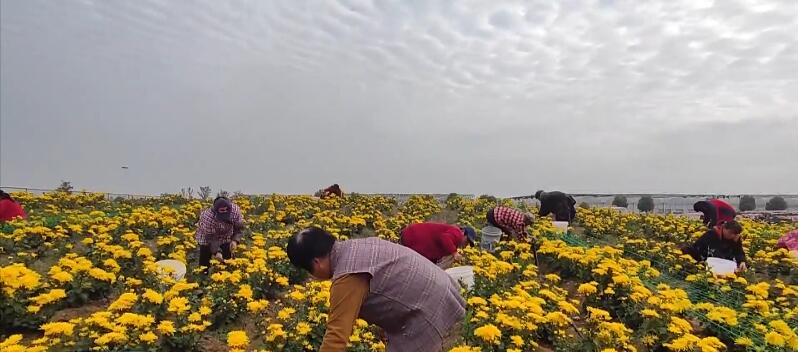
{"x":710,"y":244}
{"x":558,"y":203}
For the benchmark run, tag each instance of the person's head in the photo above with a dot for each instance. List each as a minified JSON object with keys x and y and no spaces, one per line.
{"x":310,"y":249}
{"x":528,"y":220}
{"x":4,"y":195}
{"x":222,"y":207}
{"x":538,"y":194}
{"x":469,"y":236}
{"x":730,"y":230}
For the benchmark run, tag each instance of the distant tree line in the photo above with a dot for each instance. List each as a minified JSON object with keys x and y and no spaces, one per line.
{"x":748,"y":203}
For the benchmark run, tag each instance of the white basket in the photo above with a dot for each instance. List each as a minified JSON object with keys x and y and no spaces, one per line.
{"x":490,"y":235}
{"x":174,"y":267}
{"x":462,"y":274}
{"x":720,"y":266}
{"x":561,"y":226}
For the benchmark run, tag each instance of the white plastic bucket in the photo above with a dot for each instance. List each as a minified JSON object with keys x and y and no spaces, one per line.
{"x":490,"y":235}
{"x":561,"y":226}
{"x":720,"y":266}
{"x":174,"y":267}
{"x":462,"y":274}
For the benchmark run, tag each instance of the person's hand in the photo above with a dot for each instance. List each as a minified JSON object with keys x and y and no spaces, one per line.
{"x":233,"y":246}
{"x":741,"y":267}
{"x":458,"y":257}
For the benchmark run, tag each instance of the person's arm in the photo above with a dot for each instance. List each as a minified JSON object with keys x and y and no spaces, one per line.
{"x":698,"y":249}
{"x":571,"y":206}
{"x":447,"y":241}
{"x":347,"y":294}
{"x":238,"y":230}
{"x":506,"y":230}
{"x":238,"y":224}
{"x":545,"y":209}
{"x":520,"y":231}
{"x":739,"y":255}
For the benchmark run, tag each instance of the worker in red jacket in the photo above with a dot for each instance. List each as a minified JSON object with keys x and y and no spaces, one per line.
{"x":437,"y":242}
{"x":9,"y":208}
{"x":716,"y":212}
{"x":332,"y":191}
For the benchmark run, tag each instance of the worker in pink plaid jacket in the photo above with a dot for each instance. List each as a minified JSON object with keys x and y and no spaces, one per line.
{"x":220,"y":227}
{"x":511,"y":221}
{"x":789,"y":241}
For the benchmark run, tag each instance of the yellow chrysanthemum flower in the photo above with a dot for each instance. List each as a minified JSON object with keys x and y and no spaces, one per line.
{"x":488,"y":333}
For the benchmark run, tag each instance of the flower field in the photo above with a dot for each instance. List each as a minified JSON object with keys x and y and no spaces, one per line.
{"x":80,"y":274}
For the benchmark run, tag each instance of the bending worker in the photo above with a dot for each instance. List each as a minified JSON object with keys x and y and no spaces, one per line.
{"x":789,"y":242}
{"x":511,"y":221}
{"x":559,"y":204}
{"x":722,"y":241}
{"x":332,"y":191}
{"x":416,"y":303}
{"x":9,"y":208}
{"x":437,"y":242}
{"x":715,"y":211}
{"x":220,"y":227}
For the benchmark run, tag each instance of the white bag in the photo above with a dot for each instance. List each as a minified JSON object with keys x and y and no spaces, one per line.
{"x":462,"y":274}
{"x":720,"y":266}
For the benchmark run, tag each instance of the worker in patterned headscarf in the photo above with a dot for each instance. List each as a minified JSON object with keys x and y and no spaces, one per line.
{"x":220,"y":227}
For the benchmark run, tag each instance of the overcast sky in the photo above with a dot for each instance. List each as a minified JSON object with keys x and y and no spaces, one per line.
{"x":498,"y":97}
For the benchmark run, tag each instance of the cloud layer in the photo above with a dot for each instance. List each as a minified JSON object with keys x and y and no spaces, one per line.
{"x":498,"y":97}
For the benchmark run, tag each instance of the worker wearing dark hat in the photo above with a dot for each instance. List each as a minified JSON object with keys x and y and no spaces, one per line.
{"x":220,"y":227}
{"x":437,"y":242}
{"x":563,"y":206}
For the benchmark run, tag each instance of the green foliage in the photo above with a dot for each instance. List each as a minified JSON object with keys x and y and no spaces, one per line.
{"x":646,"y":204}
{"x":454,"y":202}
{"x":65,"y":187}
{"x":489,"y":198}
{"x":14,"y":313}
{"x":620,"y":201}
{"x":204,"y":192}
{"x":747,"y":203}
{"x":776,"y":203}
